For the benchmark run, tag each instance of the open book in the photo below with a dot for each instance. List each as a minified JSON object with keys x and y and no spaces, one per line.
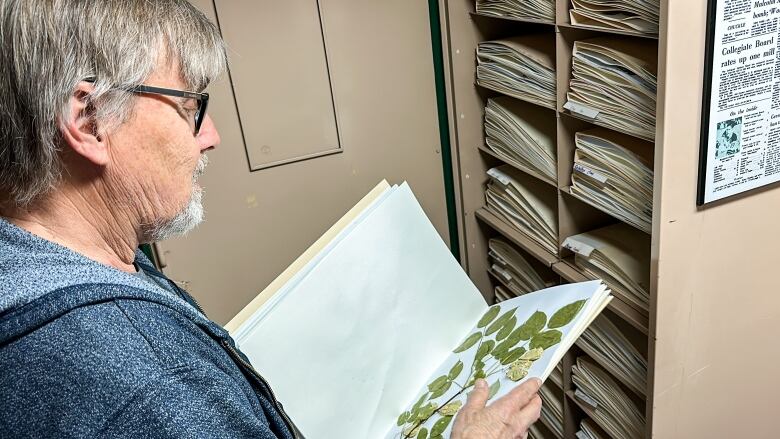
{"x":376,"y":330}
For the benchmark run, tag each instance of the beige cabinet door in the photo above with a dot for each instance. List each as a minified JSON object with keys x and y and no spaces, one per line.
{"x":325,"y":99}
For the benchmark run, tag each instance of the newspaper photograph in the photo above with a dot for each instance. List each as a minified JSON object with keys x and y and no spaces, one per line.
{"x":743,"y":116}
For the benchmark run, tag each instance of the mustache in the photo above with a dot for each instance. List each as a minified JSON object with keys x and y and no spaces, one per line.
{"x":201,"y":167}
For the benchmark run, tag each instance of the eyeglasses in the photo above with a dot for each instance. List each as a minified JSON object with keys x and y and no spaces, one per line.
{"x":201,"y":98}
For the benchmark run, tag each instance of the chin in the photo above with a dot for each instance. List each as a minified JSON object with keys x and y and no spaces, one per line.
{"x":185,"y":220}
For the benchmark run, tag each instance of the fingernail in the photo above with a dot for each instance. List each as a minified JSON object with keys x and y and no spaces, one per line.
{"x":538,"y":382}
{"x":481,"y":384}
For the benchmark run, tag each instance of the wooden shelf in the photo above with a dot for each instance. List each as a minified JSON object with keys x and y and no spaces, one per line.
{"x":517,"y":166}
{"x":517,"y":237}
{"x":607,"y":30}
{"x":567,"y":190}
{"x":603,"y":125}
{"x":517,"y":20}
{"x":519,"y":98}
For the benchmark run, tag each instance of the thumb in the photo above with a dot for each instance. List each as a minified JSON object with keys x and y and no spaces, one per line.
{"x":478,"y":397}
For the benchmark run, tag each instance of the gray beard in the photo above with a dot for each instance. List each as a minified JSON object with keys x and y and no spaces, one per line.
{"x":188,"y":218}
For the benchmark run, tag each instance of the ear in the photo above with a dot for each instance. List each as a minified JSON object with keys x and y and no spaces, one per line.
{"x":80,"y":130}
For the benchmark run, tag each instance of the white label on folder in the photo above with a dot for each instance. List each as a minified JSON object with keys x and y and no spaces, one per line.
{"x":582,"y":169}
{"x":580,"y":109}
{"x":500,"y":176}
{"x":502,"y":272}
{"x":582,"y":435}
{"x":586,"y":399}
{"x":578,"y":246}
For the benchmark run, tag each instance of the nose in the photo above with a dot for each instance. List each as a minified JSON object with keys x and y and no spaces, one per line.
{"x":208,"y":137}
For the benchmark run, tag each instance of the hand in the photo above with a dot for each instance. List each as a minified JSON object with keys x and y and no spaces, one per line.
{"x":507,"y":418}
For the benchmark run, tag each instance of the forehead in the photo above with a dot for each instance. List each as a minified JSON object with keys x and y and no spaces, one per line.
{"x":168,"y":75}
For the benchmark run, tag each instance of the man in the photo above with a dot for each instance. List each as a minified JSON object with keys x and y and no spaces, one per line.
{"x":103,"y":133}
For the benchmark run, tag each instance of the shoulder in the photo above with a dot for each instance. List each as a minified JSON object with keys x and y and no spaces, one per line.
{"x":78,"y":370}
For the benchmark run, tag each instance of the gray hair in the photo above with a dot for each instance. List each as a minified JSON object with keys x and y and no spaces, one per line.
{"x":48,"y":46}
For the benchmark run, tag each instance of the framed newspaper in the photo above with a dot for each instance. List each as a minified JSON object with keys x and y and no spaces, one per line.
{"x":740,"y":132}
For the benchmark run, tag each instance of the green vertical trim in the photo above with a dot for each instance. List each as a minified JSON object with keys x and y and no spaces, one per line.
{"x":444,"y":125}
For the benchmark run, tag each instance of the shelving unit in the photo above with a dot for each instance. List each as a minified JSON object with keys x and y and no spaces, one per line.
{"x":464,"y":31}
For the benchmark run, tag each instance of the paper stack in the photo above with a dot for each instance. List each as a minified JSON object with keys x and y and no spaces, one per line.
{"x":525,"y":203}
{"x":604,"y":342}
{"x":541,"y":10}
{"x":613,"y":172}
{"x":614,"y":411}
{"x":614,"y":84}
{"x":512,"y":269}
{"x":522,"y":67}
{"x":522,"y":136}
{"x":626,"y":15}
{"x":502,"y":294}
{"x":535,"y":432}
{"x":620,"y":255}
{"x":552,"y":408}
{"x":588,"y":430}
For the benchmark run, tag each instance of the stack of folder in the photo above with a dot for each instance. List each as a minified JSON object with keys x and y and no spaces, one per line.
{"x":614,"y":84}
{"x":620,"y":255}
{"x":526,"y":204}
{"x":611,"y":408}
{"x":613,"y":172}
{"x":522,"y":136}
{"x":541,"y":10}
{"x":552,"y":409}
{"x":627,"y":15}
{"x":512,"y":270}
{"x":557,"y":376}
{"x":605,"y":343}
{"x":588,"y":430}
{"x":522,"y":67}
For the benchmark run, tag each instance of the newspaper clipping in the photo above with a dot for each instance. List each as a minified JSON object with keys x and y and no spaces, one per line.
{"x":743,"y":147}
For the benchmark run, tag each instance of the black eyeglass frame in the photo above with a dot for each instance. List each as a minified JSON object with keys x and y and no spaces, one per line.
{"x":201,"y":98}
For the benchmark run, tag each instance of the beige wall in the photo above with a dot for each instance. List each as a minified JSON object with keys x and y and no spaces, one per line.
{"x":718,"y":304}
{"x":258,"y":222}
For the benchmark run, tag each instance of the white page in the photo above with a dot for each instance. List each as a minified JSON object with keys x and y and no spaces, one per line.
{"x":355,"y":337}
{"x":548,"y":301}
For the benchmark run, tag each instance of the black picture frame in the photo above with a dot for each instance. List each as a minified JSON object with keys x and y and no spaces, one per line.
{"x":704,"y":141}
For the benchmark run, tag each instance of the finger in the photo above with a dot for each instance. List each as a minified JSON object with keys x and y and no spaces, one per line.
{"x":478,"y":397}
{"x":518,"y":397}
{"x":527,"y":415}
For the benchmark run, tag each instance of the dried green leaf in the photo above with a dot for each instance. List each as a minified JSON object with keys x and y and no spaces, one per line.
{"x":470,"y":341}
{"x":420,"y":401}
{"x":403,"y":418}
{"x":563,"y":316}
{"x":411,"y":431}
{"x":437,"y":383}
{"x":518,"y":370}
{"x":533,"y":355}
{"x":488,"y":316}
{"x":441,"y":390}
{"x":456,"y":369}
{"x":499,"y":322}
{"x":533,"y":325}
{"x":440,"y":425}
{"x":512,"y":355}
{"x":451,"y":409}
{"x":480,"y":374}
{"x":484,"y":349}
{"x":546,"y":339}
{"x":494,"y":389}
{"x":502,"y":348}
{"x":427,"y":411}
{"x":423,"y":433}
{"x":507,"y":329}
